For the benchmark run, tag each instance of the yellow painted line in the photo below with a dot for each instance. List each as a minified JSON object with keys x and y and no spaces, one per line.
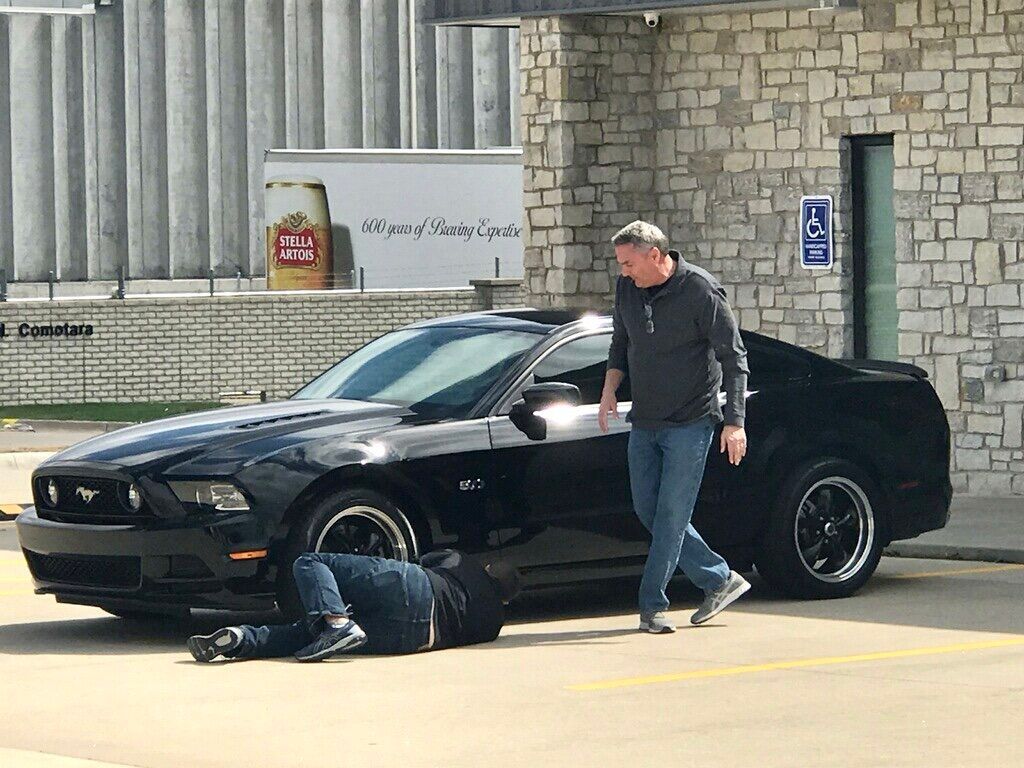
{"x":748,"y":669}
{"x":959,"y":571}
{"x":13,"y":509}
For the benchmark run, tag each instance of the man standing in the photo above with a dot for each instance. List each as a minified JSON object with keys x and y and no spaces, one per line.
{"x":448,"y":600}
{"x":675,"y":335}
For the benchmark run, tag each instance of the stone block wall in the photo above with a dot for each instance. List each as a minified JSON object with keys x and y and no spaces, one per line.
{"x":715,"y":125}
{"x":193,"y":348}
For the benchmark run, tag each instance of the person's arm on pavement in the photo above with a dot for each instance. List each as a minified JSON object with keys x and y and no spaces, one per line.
{"x":440,"y":558}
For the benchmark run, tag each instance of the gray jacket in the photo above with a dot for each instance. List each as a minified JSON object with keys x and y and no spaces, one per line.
{"x":675,"y":372}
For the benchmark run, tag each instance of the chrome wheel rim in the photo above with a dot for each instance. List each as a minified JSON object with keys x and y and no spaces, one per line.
{"x":834,"y":529}
{"x":363,"y":530}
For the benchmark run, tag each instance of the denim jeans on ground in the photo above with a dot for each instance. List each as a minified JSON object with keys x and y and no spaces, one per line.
{"x":665,"y":471}
{"x":391,"y":601}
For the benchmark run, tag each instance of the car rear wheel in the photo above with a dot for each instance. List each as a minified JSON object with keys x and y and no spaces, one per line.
{"x":824,"y":539}
{"x":357,"y":521}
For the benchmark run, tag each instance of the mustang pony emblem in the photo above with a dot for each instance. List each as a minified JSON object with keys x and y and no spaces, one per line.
{"x":87,"y":494}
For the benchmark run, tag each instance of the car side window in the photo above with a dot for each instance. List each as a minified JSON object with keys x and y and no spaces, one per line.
{"x":769,"y":367}
{"x":583,"y":363}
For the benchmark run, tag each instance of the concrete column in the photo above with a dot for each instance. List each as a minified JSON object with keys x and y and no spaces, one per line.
{"x":491,"y":118}
{"x":405,"y":74}
{"x":426,"y":80}
{"x":309,"y":58}
{"x":32,"y":146}
{"x":266,"y":107}
{"x":514,"y":95}
{"x":6,"y":218}
{"x":343,"y":74}
{"x":382,"y":101}
{"x":146,"y":139}
{"x":454,"y":88}
{"x":187,"y":198}
{"x":111,"y":171}
{"x":225,"y":130}
{"x":92,"y":206}
{"x":68,"y":148}
{"x":291,"y":72}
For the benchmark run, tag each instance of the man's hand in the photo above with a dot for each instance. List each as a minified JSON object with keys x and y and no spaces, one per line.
{"x":734,"y":440}
{"x":609,"y":405}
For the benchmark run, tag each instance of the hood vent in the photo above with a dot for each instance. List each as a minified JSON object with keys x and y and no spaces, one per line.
{"x":279,"y":419}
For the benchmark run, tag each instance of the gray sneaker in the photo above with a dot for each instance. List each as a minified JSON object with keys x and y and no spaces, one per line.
{"x":717,"y":601}
{"x":656,"y":624}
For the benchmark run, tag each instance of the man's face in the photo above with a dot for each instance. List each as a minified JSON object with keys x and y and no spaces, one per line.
{"x":639,"y":264}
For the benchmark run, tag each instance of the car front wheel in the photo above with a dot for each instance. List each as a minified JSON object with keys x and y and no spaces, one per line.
{"x":824,"y":539}
{"x":357,"y":521}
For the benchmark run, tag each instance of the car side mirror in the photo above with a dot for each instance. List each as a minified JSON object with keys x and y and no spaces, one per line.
{"x":537,"y":397}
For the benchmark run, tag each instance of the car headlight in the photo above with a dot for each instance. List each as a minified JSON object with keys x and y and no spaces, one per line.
{"x":222,"y":497}
{"x":134,"y":498}
{"x":52,"y":493}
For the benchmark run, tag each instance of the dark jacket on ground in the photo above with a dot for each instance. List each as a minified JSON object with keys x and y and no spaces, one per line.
{"x":675,"y":373}
{"x":467,"y":608}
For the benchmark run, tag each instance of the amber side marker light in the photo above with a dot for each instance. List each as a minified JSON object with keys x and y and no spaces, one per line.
{"x":252,"y":554}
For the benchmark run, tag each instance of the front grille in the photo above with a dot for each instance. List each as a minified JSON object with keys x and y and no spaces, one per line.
{"x":86,"y":570}
{"x":95,"y":500}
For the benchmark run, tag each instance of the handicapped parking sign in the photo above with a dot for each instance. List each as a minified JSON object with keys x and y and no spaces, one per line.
{"x":816,"y":231}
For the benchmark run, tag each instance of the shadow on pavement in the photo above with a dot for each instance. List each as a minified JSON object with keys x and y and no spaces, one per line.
{"x":904,"y":592}
{"x":985,"y":601}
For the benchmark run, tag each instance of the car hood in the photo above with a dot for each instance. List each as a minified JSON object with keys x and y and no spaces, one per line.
{"x":232,"y":435}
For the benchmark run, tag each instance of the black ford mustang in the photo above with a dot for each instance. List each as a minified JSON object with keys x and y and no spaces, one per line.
{"x":480,"y":432}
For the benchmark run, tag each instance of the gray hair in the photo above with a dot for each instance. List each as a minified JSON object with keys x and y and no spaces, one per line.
{"x":641,"y":234}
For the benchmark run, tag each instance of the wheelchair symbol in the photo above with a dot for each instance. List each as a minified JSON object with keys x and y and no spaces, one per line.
{"x":814,"y":228}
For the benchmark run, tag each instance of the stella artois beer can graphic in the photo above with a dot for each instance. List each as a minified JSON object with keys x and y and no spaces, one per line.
{"x":299,"y":253}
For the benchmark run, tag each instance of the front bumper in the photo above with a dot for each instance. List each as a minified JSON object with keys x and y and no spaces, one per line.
{"x":170,"y":563}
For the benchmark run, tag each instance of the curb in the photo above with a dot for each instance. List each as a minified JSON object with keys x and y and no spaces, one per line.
{"x":10,"y":511}
{"x":23,"y":460}
{"x":954,"y":552}
{"x":92,"y":426}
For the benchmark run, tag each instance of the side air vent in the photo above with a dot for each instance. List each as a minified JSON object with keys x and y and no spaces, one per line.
{"x":279,"y":420}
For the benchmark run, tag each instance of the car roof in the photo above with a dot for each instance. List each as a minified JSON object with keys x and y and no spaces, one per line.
{"x":550,"y":321}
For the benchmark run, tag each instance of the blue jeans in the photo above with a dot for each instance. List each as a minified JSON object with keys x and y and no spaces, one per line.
{"x":666,"y":467}
{"x":391,"y":601}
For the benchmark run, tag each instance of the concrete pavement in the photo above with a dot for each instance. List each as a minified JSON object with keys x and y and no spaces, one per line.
{"x":979,"y":529}
{"x":922,"y":668}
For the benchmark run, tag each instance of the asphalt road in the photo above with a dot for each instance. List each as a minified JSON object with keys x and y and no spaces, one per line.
{"x":924,"y":668}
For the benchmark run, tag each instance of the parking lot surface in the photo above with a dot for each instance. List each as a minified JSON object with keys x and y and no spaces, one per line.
{"x":924,"y":668}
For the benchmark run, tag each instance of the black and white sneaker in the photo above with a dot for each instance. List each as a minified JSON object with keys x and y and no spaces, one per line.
{"x":331,"y":641}
{"x":208,"y":647}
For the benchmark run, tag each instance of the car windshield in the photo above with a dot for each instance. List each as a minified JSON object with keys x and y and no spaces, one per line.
{"x":440,"y":372}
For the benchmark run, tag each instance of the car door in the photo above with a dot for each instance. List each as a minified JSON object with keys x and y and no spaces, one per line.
{"x":565,"y":499}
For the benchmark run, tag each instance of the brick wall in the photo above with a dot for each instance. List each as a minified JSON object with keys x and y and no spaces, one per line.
{"x":715,"y":125}
{"x":194,"y":348}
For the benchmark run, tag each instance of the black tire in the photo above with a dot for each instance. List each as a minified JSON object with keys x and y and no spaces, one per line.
{"x":337,"y":523}
{"x":826,"y":532}
{"x":165,"y":617}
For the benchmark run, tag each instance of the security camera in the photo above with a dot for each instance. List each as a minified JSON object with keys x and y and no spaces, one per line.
{"x":652,"y":19}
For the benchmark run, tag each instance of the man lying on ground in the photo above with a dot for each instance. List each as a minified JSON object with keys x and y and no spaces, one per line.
{"x":448,"y":600}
